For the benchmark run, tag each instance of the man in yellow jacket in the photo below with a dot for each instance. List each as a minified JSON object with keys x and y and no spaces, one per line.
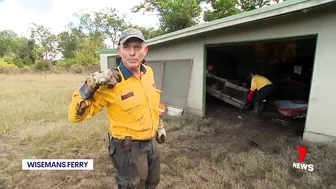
{"x":262,"y":88}
{"x":132,"y":101}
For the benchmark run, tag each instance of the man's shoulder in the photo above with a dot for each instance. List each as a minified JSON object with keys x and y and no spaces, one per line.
{"x":148,"y":68}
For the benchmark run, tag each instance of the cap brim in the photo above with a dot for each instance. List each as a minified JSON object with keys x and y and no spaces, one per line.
{"x":131,"y":36}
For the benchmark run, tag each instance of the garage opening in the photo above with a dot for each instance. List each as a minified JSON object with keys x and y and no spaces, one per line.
{"x":287,"y":63}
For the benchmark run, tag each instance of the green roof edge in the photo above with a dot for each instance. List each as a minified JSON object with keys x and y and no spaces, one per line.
{"x":231,"y":18}
{"x":220,"y":21}
{"x":106,"y":51}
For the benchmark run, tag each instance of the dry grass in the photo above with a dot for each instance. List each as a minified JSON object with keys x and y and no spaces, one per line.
{"x":75,"y":69}
{"x":199,"y":153}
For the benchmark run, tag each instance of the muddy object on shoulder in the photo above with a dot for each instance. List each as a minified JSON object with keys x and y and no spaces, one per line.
{"x":161,"y":139}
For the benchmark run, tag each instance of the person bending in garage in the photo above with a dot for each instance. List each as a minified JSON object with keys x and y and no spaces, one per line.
{"x":262,"y":88}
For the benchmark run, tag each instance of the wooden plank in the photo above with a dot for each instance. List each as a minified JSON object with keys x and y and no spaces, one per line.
{"x":217,"y":78}
{"x":236,"y":87}
{"x":228,"y":83}
{"x":226,"y":93}
{"x":228,"y":99}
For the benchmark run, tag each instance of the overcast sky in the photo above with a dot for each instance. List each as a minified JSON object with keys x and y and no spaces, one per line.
{"x":55,"y":14}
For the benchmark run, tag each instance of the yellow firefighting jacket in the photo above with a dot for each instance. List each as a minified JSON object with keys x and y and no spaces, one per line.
{"x":132,"y":105}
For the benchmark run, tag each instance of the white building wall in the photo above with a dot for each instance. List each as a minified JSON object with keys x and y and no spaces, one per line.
{"x":322,"y":102}
{"x":103,"y":61}
{"x":320,"y":114}
{"x":190,"y":50}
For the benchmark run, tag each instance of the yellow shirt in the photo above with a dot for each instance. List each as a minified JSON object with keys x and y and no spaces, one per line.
{"x":132,"y":105}
{"x":259,"y":82}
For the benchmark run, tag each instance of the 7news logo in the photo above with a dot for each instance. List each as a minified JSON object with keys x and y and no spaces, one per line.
{"x":303,"y":153}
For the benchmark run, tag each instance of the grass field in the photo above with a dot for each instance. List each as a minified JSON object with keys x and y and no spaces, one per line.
{"x":199,"y":153}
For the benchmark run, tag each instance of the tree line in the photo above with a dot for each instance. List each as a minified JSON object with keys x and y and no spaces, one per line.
{"x":76,"y":46}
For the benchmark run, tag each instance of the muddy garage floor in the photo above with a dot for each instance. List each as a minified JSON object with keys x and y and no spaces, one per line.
{"x":270,"y":121}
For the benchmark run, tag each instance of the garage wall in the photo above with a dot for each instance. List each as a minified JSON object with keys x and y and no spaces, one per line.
{"x":168,"y":82}
{"x":187,"y":50}
{"x":108,"y":61}
{"x":320,"y":113}
{"x":103,"y":61}
{"x":321,"y":116}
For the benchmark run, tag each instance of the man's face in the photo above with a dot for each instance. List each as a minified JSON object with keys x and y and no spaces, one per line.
{"x":210,"y":68}
{"x":132,"y":52}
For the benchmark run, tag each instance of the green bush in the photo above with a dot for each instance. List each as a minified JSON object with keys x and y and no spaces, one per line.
{"x":86,"y":58}
{"x":8,"y":60}
{"x":41,"y":65}
{"x":77,"y":68}
{"x":53,"y":62}
{"x":65,"y":63}
{"x":19,"y":62}
{"x":27,"y":61}
{"x":6,"y":63}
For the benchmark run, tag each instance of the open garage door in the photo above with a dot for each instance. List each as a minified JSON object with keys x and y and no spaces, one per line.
{"x":172,"y":77}
{"x":287,"y":63}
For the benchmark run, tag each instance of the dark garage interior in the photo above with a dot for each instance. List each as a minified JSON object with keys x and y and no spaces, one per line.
{"x":287,"y":63}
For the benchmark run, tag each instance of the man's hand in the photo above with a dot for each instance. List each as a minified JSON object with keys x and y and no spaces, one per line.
{"x":108,"y":77}
{"x":161,"y":135}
